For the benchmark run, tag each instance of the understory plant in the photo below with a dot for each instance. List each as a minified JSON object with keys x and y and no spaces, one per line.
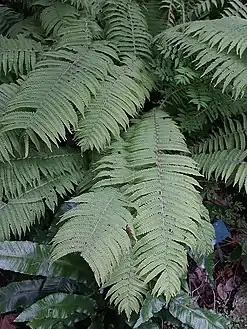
{"x":118,"y":109}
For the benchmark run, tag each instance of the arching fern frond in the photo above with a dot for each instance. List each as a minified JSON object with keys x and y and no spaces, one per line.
{"x":9,"y":144}
{"x":224,"y":165}
{"x":98,"y":235}
{"x":91,"y":7}
{"x":122,"y":94}
{"x":28,"y":27}
{"x":20,"y":213}
{"x":232,"y":135}
{"x":78,"y":32}
{"x":18,"y":55}
{"x":173,"y":7}
{"x":8,"y":17}
{"x":126,"y":27}
{"x":217,"y":44}
{"x":57,"y":15}
{"x":204,"y":7}
{"x":154,"y":16}
{"x":24,"y":173}
{"x":236,"y":8}
{"x":163,"y":188}
{"x":62,"y":82}
{"x":126,"y":288}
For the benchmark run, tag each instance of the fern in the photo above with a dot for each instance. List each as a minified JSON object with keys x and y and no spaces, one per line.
{"x":127,"y":28}
{"x":18,"y":214}
{"x":123,"y":93}
{"x":162,"y":190}
{"x":98,"y":236}
{"x":222,"y":52}
{"x":18,"y":55}
{"x":21,"y":174}
{"x":236,"y":8}
{"x":56,"y":16}
{"x":56,"y":93}
{"x":8,"y":17}
{"x":126,"y":289}
{"x":9,"y":140}
{"x":77,"y":33}
{"x":161,"y":187}
{"x":203,"y":8}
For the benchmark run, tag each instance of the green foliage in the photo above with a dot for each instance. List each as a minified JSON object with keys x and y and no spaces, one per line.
{"x":195,"y":317}
{"x":55,"y":310}
{"x":94,"y":97}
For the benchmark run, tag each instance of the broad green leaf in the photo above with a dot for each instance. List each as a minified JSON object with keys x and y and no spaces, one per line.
{"x":57,"y":306}
{"x":33,"y":259}
{"x":19,"y":294}
{"x":150,"y":306}
{"x":23,"y":294}
{"x":180,"y":307}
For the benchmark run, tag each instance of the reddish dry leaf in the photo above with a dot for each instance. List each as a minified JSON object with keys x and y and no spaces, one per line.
{"x":6,"y":321}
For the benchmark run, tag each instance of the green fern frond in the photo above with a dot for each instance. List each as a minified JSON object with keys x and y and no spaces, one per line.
{"x":54,"y":17}
{"x":217,"y":44}
{"x":23,"y":173}
{"x":224,"y":164}
{"x":163,"y":189}
{"x":28,"y":27}
{"x":20,"y":213}
{"x":154,"y":16}
{"x":113,"y":168}
{"x":236,"y":8}
{"x":78,"y":32}
{"x":98,"y":235}
{"x":9,"y":140}
{"x":61,"y":83}
{"x":204,"y":7}
{"x":8,"y":17}
{"x":205,"y":235}
{"x":126,"y":27}
{"x":232,"y":135}
{"x":91,"y":7}
{"x":122,"y":94}
{"x":19,"y":54}
{"x":172,"y":7}
{"x":127,"y":289}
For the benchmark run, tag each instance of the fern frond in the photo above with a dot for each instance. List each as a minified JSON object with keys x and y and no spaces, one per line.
{"x":218,"y":44}
{"x":98,"y":235}
{"x":61,"y":83}
{"x":154,"y":16}
{"x":163,"y":189}
{"x":224,"y":164}
{"x":232,"y":135}
{"x":171,"y":7}
{"x":19,"y":54}
{"x":28,"y":27}
{"x":122,"y":94}
{"x":126,"y":26}
{"x":9,"y":144}
{"x":204,"y":7}
{"x":20,"y":213}
{"x":78,"y":33}
{"x":23,"y":173}
{"x":112,"y":169}
{"x":90,"y":7}
{"x":8,"y":17}
{"x":127,"y":289}
{"x":57,"y":15}
{"x":205,"y":235}
{"x":236,"y":8}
